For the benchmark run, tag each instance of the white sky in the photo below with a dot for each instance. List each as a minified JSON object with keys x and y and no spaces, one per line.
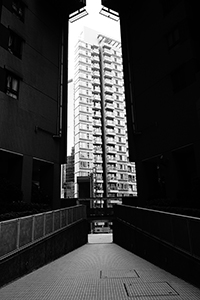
{"x":99,"y":23}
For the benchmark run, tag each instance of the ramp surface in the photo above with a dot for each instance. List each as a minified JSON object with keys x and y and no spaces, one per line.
{"x":99,"y":270}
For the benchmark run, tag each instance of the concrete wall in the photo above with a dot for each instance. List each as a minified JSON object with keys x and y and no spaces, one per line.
{"x":30,"y":242}
{"x":168,"y":240}
{"x":162,"y":94}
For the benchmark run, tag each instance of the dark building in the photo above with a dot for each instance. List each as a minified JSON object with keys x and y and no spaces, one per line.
{"x":160,"y":44}
{"x":33,"y":67}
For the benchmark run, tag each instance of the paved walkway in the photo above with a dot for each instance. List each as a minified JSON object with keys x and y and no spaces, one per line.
{"x":99,"y":270}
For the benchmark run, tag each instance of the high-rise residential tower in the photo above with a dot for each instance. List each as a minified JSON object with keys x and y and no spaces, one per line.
{"x":100,"y":132}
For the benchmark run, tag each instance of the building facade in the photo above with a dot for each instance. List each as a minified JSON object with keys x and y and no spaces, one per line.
{"x":69,"y":187}
{"x":161,"y":57}
{"x":33,"y":67}
{"x":100,"y":134}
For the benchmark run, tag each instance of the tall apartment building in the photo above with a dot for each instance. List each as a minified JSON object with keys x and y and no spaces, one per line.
{"x":69,"y":186}
{"x":101,"y":150}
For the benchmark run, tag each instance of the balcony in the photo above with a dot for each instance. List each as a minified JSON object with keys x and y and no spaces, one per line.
{"x":111,"y":141}
{"x":108,"y":82}
{"x":111,"y":158}
{"x":119,"y":83}
{"x":96,"y":81}
{"x":108,"y":74}
{"x":113,"y":189}
{"x":99,"y":180}
{"x":107,"y":58}
{"x":109,"y":115}
{"x":96,"y":74}
{"x":97,"y":106}
{"x":108,"y":90}
{"x":97,"y":141}
{"x":111,"y":150}
{"x":97,"y":132}
{"x":95,"y":51}
{"x":96,"y":114}
{"x":110,"y":123}
{"x":119,"y":74}
{"x":83,"y":68}
{"x":98,"y":159}
{"x":112,"y":179}
{"x":110,"y":132}
{"x":112,"y":169}
{"x":109,"y":105}
{"x":97,"y":123}
{"x":98,"y":149}
{"x":95,"y":66}
{"x":95,"y":58}
{"x":108,"y":66}
{"x":99,"y":170}
{"x":97,"y":97}
{"x":107,"y":50}
{"x":96,"y":90}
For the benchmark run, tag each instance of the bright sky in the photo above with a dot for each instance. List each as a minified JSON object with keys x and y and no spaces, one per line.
{"x":99,"y":23}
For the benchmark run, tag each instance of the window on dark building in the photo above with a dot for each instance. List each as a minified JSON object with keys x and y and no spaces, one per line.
{"x":18,"y":9}
{"x":15,"y":44}
{"x":169,"y":5}
{"x":184,"y":76}
{"x":12,"y":85}
{"x":173,"y":37}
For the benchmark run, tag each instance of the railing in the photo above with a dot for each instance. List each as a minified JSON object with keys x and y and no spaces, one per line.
{"x":178,"y":231}
{"x":19,"y":233}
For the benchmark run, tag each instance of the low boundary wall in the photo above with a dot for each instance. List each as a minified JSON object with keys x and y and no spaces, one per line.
{"x":168,"y":240}
{"x":30,"y":242}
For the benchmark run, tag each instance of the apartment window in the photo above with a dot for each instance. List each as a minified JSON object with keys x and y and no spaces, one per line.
{"x":116,"y":74}
{"x":116,"y":81}
{"x":173,"y":37}
{"x":184,"y":75}
{"x":18,"y":9}
{"x":84,"y":164}
{"x":15,"y":44}
{"x":169,"y":5}
{"x":12,"y":85}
